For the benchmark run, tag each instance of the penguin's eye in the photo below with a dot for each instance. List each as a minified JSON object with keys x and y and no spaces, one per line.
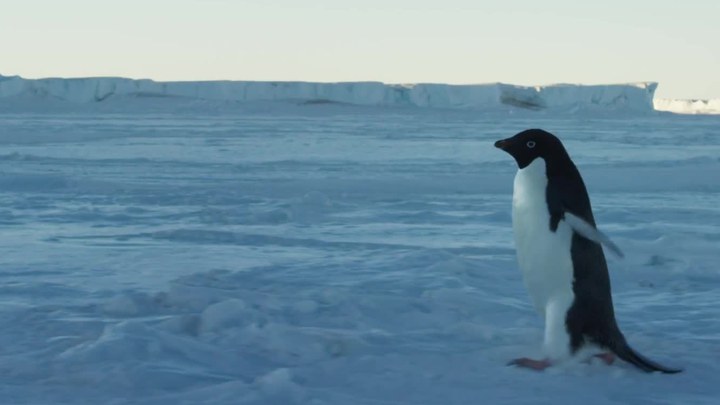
{"x":530,"y":144}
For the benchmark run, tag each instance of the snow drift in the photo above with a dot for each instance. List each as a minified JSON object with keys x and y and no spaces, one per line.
{"x":636,"y":97}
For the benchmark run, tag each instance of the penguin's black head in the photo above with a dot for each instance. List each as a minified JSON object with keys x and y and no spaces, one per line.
{"x":530,"y":144}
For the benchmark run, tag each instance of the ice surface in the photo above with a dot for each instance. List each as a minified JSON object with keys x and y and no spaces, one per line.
{"x":333,"y":254}
{"x":635,"y":97}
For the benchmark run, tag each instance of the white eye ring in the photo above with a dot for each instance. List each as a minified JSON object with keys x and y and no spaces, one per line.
{"x":530,"y":144}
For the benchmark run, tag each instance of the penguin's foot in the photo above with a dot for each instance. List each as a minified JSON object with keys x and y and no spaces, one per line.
{"x":537,"y":365}
{"x":607,"y":357}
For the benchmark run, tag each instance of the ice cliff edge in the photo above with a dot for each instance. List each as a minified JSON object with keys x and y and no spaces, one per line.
{"x":636,"y":97}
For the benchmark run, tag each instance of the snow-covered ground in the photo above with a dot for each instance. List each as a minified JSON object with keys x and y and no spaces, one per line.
{"x":331,"y":254}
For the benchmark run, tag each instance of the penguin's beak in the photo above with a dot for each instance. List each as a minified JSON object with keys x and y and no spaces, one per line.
{"x":502,"y":144}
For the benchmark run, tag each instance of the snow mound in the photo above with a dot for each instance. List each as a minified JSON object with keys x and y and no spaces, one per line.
{"x":279,"y":385}
{"x":636,"y":97}
{"x":223,"y":314}
{"x":711,"y":106}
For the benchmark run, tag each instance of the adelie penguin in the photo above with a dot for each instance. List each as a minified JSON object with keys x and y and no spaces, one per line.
{"x":560,"y":254}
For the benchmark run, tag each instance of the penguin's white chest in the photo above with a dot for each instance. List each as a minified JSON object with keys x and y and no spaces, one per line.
{"x":544,"y":257}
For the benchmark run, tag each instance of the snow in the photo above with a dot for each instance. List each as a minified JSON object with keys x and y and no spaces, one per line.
{"x":166,"y":251}
{"x":711,"y":106}
{"x":635,"y":97}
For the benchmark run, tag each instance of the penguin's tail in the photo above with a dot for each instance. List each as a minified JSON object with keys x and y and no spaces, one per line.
{"x":625,"y":352}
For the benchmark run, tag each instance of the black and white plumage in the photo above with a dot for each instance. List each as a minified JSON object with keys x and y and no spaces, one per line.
{"x":559,"y":251}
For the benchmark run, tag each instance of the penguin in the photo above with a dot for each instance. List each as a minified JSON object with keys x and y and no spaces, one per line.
{"x":560,"y":254}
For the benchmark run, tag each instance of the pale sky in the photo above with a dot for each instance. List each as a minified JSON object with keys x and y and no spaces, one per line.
{"x":676,"y":43}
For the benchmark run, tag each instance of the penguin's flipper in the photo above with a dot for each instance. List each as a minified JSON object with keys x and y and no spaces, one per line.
{"x":583,"y":228}
{"x":565,"y":203}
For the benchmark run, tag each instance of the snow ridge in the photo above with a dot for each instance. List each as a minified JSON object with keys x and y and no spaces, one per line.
{"x":635,"y":97}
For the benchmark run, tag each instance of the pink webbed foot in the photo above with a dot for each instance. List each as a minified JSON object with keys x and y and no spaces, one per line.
{"x":607,"y":357}
{"x":537,"y":365}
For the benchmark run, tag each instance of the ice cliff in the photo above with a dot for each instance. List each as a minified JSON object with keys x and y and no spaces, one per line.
{"x":711,"y":106}
{"x":635,"y":97}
